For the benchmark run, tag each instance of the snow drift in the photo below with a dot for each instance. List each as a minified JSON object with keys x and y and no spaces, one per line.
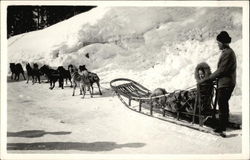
{"x":156,"y":46}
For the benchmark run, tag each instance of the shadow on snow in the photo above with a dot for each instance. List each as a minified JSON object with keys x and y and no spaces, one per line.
{"x":34,"y":133}
{"x":95,"y":146}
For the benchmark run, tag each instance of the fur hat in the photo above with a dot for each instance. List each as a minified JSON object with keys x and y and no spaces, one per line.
{"x":205,"y":67}
{"x":223,"y":37}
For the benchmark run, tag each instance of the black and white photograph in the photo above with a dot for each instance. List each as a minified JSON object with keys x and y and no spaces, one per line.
{"x":125,"y":80}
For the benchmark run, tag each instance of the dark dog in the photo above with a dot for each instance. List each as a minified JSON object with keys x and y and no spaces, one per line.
{"x":36,"y":72}
{"x":53,"y":76}
{"x":16,"y":70}
{"x":33,"y":72}
{"x":65,"y":74}
{"x":93,"y":77}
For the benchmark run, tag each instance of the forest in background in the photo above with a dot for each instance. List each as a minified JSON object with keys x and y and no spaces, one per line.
{"x":22,"y":19}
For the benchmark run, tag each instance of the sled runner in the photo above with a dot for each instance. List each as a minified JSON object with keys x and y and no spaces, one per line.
{"x":189,"y":111}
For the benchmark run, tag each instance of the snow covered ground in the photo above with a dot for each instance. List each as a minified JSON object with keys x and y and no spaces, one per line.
{"x":155,"y":46}
{"x":52,"y":121}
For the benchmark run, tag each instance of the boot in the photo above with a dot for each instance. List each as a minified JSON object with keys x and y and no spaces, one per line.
{"x":223,"y":122}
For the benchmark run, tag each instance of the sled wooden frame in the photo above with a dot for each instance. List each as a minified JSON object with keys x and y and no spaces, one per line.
{"x":136,"y":92}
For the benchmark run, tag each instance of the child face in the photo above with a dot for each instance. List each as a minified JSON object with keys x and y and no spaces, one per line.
{"x":201,"y":74}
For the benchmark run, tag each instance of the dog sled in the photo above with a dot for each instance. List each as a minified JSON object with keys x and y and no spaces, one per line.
{"x":197,"y":110}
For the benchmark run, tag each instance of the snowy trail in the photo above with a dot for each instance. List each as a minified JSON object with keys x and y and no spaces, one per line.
{"x":45,"y":121}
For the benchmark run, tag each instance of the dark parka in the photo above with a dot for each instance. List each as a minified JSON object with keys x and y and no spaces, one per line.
{"x":226,"y":69}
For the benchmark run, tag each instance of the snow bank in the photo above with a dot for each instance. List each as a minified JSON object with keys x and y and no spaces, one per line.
{"x":157,"y":46}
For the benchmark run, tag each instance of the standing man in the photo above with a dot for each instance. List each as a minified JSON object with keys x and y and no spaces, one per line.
{"x":226,"y":78}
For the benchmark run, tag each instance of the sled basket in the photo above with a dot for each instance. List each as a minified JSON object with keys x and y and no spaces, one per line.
{"x":130,"y":89}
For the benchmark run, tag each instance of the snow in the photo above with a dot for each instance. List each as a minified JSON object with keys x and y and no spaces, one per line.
{"x":53,"y":121}
{"x":165,"y":42}
{"x":155,"y":46}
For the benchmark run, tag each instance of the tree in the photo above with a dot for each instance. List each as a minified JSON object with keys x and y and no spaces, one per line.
{"x":21,"y":19}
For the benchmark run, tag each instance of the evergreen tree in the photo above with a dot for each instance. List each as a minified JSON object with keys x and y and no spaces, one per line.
{"x":21,"y":19}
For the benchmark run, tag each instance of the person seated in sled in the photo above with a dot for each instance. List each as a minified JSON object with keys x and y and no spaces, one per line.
{"x":203,"y":71}
{"x":184,"y":100}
